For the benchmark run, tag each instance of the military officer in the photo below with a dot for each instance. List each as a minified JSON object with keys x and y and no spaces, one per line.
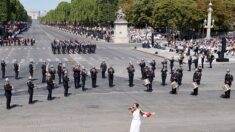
{"x":52,"y":72}
{"x":196,"y":81}
{"x":190,"y":61}
{"x":142,"y":66}
{"x":30,"y":89}
{"x":131,"y":71}
{"x":103,"y":68}
{"x":66,"y":84}
{"x":44,"y":71}
{"x":195,"y":61}
{"x":31,"y":68}
{"x":59,"y":72}
{"x":180,"y":75}
{"x":164,"y":75}
{"x":111,"y":76}
{"x":84,"y":75}
{"x":211,"y":58}
{"x":50,"y":86}
{"x":150,"y":77}
{"x":93,"y":73}
{"x":172,"y":60}
{"x":76,"y":75}
{"x":16,"y":69}
{"x":153,"y":65}
{"x":3,"y":68}
{"x":8,"y":88}
{"x":202,"y":60}
{"x":174,"y":80}
{"x":228,"y":79}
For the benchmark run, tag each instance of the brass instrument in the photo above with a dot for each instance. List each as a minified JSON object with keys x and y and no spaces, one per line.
{"x":226,"y":87}
{"x":195,"y":85}
{"x":174,"y":85}
{"x":146,"y":82}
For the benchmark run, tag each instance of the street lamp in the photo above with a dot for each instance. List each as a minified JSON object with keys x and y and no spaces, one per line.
{"x":209,"y":23}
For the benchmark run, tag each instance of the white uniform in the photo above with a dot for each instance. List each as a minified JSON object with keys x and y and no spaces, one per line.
{"x":136,"y":122}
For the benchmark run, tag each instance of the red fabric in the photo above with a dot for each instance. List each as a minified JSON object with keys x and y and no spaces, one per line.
{"x":148,"y":114}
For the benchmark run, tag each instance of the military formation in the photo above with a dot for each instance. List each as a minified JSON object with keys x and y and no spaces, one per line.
{"x":49,"y":73}
{"x":18,"y":42}
{"x":72,"y":47}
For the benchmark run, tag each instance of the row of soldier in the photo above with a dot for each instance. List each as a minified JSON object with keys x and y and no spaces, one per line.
{"x":80,"y":74}
{"x":18,"y":42}
{"x":69,"y":46}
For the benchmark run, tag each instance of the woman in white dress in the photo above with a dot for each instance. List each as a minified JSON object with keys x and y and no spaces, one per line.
{"x":137,"y":113}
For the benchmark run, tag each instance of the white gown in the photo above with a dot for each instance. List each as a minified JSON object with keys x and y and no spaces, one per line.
{"x":136,"y":122}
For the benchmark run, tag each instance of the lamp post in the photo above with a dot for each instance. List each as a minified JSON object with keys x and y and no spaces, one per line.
{"x":209,"y":23}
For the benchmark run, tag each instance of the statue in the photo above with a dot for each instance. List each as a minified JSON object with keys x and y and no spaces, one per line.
{"x":120,"y":15}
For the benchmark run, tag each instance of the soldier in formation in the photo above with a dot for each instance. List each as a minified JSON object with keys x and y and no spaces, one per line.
{"x":44,"y":71}
{"x":59,"y":72}
{"x":174,"y":82}
{"x":31,"y":68}
{"x":8,"y":93}
{"x":30,"y":89}
{"x":66,"y":83}
{"x":50,"y":86}
{"x":142,"y":66}
{"x":3,"y":68}
{"x":77,"y":75}
{"x":228,"y":79}
{"x":164,"y":75}
{"x":196,"y":81}
{"x":131,"y":72}
{"x":111,"y":76}
{"x":93,"y":73}
{"x":103,"y":67}
{"x":16,"y":69}
{"x":84,"y":75}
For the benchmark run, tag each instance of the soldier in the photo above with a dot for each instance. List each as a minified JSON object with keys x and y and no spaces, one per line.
{"x":50,"y":86}
{"x":195,"y":61}
{"x":103,"y":68}
{"x":164,"y":63}
{"x":190,"y":60}
{"x":164,"y":75}
{"x":52,"y":72}
{"x":174,"y":81}
{"x":181,"y":58}
{"x":59,"y":72}
{"x":76,"y":76}
{"x":196,"y":81}
{"x":44,"y":71}
{"x":172,"y":60}
{"x":111,"y":76}
{"x":131,"y":71}
{"x":153,"y":65}
{"x":93,"y":73}
{"x":180,"y":75}
{"x":84,"y":75}
{"x":31,"y":68}
{"x":142,"y":66}
{"x":30,"y":89}
{"x":66,"y":84}
{"x":150,"y":77}
{"x":211,"y":58}
{"x":16,"y":69}
{"x":3,"y":68}
{"x":202,"y":60}
{"x":228,"y":83}
{"x":8,"y":88}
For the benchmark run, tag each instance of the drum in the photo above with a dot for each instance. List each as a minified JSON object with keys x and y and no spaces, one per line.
{"x":174,"y":85}
{"x":195,"y":85}
{"x":226,"y":87}
{"x":146,"y":82}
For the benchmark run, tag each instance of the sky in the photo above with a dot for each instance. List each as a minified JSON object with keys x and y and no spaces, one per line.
{"x":40,"y":5}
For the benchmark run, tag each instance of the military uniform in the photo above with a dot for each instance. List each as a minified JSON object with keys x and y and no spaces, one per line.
{"x":150,"y":77}
{"x":180,"y":75}
{"x":195,"y":61}
{"x":59,"y":72}
{"x":164,"y":75}
{"x":84,"y":75}
{"x":52,"y":72}
{"x":8,"y":88}
{"x":103,"y":68}
{"x":142,"y":66}
{"x":171,"y":63}
{"x":66,"y":84}
{"x":174,"y":82}
{"x":3,"y":68}
{"x":202,"y":60}
{"x":190,"y":61}
{"x":50,"y":87}
{"x":44,"y":71}
{"x":131,"y":71}
{"x":30,"y":90}
{"x":93,"y":73}
{"x":16,"y":69}
{"x":227,"y":81}
{"x":76,"y":76}
{"x":153,"y":66}
{"x":111,"y":76}
{"x":196,"y":81}
{"x":31,"y":68}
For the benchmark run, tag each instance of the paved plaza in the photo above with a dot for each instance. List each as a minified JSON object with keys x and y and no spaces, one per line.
{"x":105,"y":109}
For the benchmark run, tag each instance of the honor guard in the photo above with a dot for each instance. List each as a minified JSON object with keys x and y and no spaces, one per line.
{"x":50,"y":86}
{"x":172,"y":60}
{"x":66,"y":83}
{"x":202,"y":60}
{"x":227,"y":84}
{"x":16,"y":69}
{"x":52,"y":72}
{"x":93,"y":73}
{"x":44,"y":71}
{"x":211,"y":57}
{"x":181,"y":58}
{"x":196,"y":81}
{"x":3,"y":68}
{"x":84,"y":75}
{"x":30,"y":89}
{"x":111,"y":76}
{"x":76,"y":75}
{"x":103,"y":68}
{"x":142,"y":66}
{"x":195,"y":61}
{"x":59,"y":72}
{"x":131,"y":71}
{"x":180,"y":75}
{"x":174,"y":81}
{"x":8,"y":88}
{"x":31,"y":68}
{"x":164,"y":63}
{"x":150,"y":77}
{"x":153,"y":65}
{"x":164,"y":75}
{"x":190,"y":61}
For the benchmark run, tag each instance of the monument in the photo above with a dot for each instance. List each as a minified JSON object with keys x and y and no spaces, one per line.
{"x":120,"y":28}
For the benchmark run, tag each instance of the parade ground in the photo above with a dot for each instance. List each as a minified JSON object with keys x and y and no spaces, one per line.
{"x":105,"y":109}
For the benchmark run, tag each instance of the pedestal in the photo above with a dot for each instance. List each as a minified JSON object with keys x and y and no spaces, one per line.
{"x":121,"y":32}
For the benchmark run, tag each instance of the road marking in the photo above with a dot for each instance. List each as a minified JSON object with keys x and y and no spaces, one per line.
{"x":49,"y":60}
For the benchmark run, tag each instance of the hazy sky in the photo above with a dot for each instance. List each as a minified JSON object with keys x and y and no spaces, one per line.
{"x":40,"y":4}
